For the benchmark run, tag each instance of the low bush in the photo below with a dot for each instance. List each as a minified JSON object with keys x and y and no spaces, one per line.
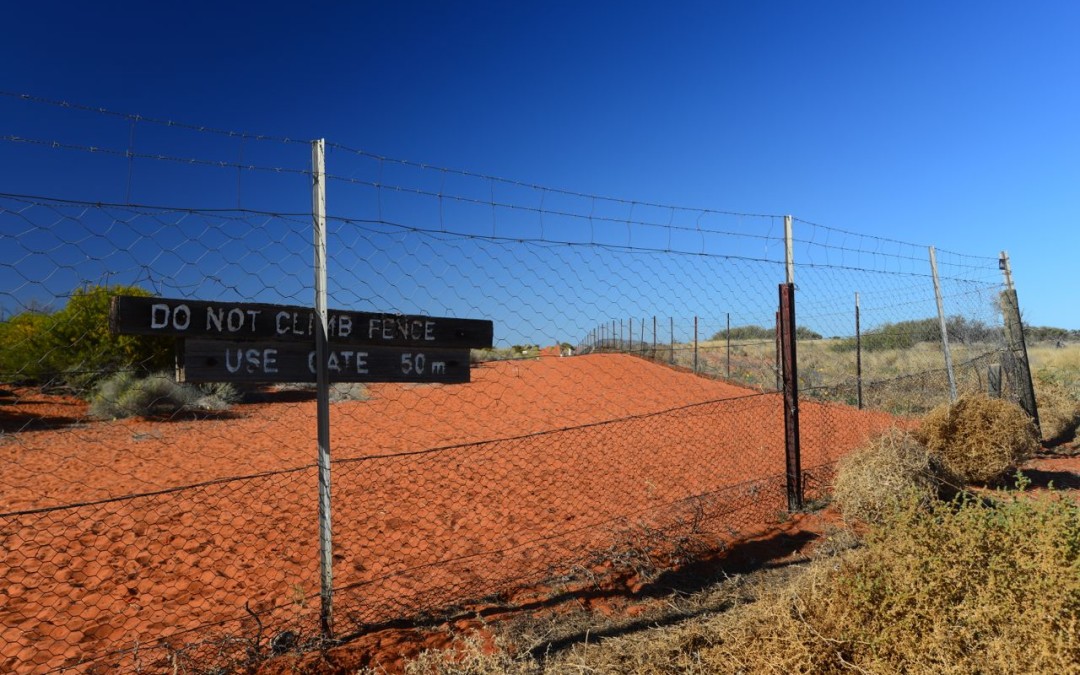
{"x":348,"y":391}
{"x":873,"y":481}
{"x":217,"y":396}
{"x":971,"y":586}
{"x":494,"y":354}
{"x":979,"y":439}
{"x":127,"y":395}
{"x":74,"y":346}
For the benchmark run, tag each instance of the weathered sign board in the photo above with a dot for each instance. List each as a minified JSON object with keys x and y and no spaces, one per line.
{"x":132,"y":315}
{"x":229,"y":361}
{"x":252,"y":342}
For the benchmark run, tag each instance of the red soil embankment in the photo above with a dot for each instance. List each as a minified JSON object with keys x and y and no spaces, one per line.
{"x":589,"y":452}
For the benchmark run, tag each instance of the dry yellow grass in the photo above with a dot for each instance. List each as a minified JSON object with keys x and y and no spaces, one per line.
{"x":974,"y":586}
{"x":1056,"y":373}
{"x":892,"y":468}
{"x":979,"y":439}
{"x":1059,"y":409}
{"x":907,"y":381}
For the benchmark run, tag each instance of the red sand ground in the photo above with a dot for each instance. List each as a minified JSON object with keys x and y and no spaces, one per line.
{"x":593,"y":455}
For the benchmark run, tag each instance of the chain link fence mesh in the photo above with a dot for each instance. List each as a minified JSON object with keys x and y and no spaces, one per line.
{"x":626,"y":420}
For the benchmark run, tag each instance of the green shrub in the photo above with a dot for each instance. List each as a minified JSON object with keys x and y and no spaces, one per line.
{"x":217,"y":396}
{"x":25,"y":347}
{"x":74,"y":346}
{"x":907,"y":334}
{"x":127,"y":395}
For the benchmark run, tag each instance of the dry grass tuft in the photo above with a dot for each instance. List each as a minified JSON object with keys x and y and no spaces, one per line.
{"x":468,"y":656}
{"x":1059,"y":412}
{"x":892,"y":468}
{"x":979,"y":439}
{"x":1058,"y":396}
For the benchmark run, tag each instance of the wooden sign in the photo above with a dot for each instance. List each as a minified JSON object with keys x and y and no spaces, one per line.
{"x":132,"y":315}
{"x":247,"y":361}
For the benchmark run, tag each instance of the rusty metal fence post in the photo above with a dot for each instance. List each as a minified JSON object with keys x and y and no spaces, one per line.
{"x":788,"y":361}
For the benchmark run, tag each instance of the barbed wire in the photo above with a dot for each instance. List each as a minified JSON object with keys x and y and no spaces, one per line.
{"x":193,"y":161}
{"x":383,"y":159}
{"x":884,"y":240}
{"x":149,"y":120}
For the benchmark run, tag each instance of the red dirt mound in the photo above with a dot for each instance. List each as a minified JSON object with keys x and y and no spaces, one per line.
{"x":441,"y":494}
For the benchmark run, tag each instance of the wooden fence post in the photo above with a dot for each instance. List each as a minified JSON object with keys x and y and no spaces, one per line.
{"x":695,"y":346}
{"x":1014,"y":332}
{"x":993,"y":380}
{"x":728,"y":336}
{"x":778,"y":368}
{"x":789,"y":363}
{"x":858,"y":355}
{"x":322,"y":391}
{"x":944,"y":330}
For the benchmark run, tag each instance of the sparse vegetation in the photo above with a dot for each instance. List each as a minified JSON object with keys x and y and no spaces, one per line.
{"x":907,"y":334}
{"x":125,"y":394}
{"x":1056,"y":373}
{"x":498,"y":354}
{"x":747,"y":333}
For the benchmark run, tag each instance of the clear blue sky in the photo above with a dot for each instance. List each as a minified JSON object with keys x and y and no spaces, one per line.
{"x":947,"y":123}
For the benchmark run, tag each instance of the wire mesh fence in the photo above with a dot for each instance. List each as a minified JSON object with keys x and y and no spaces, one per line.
{"x":628,"y":416}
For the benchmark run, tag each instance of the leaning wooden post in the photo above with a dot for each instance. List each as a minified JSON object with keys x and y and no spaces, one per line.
{"x":993,"y":380}
{"x":858,"y":355}
{"x":789,"y":366}
{"x":1014,"y":331}
{"x":779,"y":349}
{"x":653,"y":336}
{"x":672,"y":319}
{"x":944,"y":330}
{"x":695,"y":346}
{"x":727,"y":335}
{"x":322,"y":391}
